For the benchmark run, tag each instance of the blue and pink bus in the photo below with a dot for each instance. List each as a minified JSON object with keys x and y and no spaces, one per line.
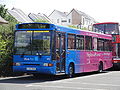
{"x":42,"y":48}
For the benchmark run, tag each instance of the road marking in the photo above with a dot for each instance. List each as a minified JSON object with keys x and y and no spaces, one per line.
{"x":62,"y":87}
{"x":14,"y":77}
{"x":61,"y":81}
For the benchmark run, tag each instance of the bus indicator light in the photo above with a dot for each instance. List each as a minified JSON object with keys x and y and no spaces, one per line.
{"x":48,"y":64}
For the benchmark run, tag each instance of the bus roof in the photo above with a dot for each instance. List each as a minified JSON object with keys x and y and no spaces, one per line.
{"x":107,"y":23}
{"x":82,"y":32}
{"x":65,"y":29}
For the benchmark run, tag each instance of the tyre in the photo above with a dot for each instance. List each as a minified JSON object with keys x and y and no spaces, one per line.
{"x":36,"y":75}
{"x":71,"y":71}
{"x":100,"y":67}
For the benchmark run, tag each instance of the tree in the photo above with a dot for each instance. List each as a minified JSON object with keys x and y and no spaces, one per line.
{"x":72,"y":26}
{"x":3,"y":11}
{"x":6,"y":42}
{"x":42,"y":21}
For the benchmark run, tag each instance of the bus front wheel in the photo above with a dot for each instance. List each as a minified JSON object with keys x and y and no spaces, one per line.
{"x":71,"y":71}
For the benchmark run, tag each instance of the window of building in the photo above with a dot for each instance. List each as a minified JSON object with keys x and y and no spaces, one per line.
{"x":64,"y":21}
{"x":69,"y":20}
{"x":71,"y":41}
{"x":57,"y":20}
{"x":83,"y":21}
{"x":88,"y":42}
{"x":80,"y":42}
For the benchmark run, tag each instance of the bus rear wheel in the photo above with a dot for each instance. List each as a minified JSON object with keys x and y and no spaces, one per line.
{"x":71,"y":71}
{"x":100,"y":67}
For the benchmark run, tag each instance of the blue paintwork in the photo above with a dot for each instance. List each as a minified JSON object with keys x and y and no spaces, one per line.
{"x":30,"y":59}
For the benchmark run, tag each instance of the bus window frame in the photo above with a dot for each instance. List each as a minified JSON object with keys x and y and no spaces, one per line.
{"x":91,"y":47}
{"x":83,"y":38}
{"x":95,"y":44}
{"x":73,"y":42}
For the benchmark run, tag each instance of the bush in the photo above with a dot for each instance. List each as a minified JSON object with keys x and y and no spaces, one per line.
{"x":6,"y":42}
{"x":6,"y":49}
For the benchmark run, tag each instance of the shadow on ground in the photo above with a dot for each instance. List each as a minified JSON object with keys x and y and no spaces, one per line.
{"x":27,"y":79}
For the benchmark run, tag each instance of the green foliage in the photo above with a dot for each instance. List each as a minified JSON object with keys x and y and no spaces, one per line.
{"x":72,"y":26}
{"x":6,"y":42}
{"x":3,"y":11}
{"x":42,"y":21}
{"x":10,"y":18}
{"x":84,"y":28}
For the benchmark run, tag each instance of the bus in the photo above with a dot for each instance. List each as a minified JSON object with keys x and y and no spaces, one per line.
{"x":42,"y":48}
{"x":113,"y":29}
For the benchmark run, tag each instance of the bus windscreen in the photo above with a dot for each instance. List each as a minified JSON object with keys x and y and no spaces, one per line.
{"x":32,"y":43}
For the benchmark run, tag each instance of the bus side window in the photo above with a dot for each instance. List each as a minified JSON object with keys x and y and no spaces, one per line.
{"x":110,"y":45}
{"x":71,"y":41}
{"x":106,"y":45}
{"x":57,"y":41}
{"x":95,"y":44}
{"x":100,"y":46}
{"x":80,"y":42}
{"x":88,"y":42}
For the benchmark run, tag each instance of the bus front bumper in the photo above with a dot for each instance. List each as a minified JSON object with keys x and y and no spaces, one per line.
{"x":35,"y":69}
{"x":116,"y":63}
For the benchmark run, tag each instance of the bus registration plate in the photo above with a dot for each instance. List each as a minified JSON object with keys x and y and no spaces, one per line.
{"x":30,"y":68}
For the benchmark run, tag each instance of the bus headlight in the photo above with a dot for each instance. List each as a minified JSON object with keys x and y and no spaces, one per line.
{"x":17,"y":64}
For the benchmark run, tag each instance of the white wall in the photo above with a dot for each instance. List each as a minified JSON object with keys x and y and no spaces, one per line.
{"x":69,"y":17}
{"x":58,"y":19}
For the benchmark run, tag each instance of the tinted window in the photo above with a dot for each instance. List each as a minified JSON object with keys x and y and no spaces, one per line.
{"x":88,"y":42}
{"x":107,"y":45}
{"x":94,"y":44}
{"x":71,"y":41}
{"x":79,"y":42}
{"x":33,"y":26}
{"x":41,"y":43}
{"x":100,"y":44}
{"x":33,"y":43}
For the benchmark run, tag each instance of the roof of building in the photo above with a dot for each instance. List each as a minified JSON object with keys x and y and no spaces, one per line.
{"x":83,"y":14}
{"x":19,"y":15}
{"x":39,"y":16}
{"x":106,"y":23}
{"x":33,"y":16}
{"x":63,"y":14}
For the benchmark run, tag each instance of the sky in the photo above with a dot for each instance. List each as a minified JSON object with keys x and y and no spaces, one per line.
{"x":100,"y":10}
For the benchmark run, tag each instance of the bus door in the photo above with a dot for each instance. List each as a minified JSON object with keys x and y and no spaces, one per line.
{"x":60,"y":52}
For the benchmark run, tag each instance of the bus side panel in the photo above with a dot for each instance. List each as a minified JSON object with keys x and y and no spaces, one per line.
{"x":79,"y":65}
{"x":88,"y":67}
{"x":92,"y":60}
{"x":107,"y":60}
{"x":70,"y":58}
{"x":87,"y":61}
